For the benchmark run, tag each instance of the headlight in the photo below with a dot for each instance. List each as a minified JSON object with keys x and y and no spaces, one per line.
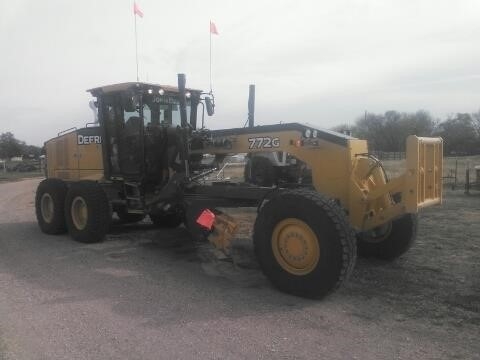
{"x":314,"y":133}
{"x":187,"y":95}
{"x":308,"y":132}
{"x":161,"y":91}
{"x":150,"y":91}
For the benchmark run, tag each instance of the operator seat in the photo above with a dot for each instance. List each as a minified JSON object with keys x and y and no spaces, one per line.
{"x":132,"y":126}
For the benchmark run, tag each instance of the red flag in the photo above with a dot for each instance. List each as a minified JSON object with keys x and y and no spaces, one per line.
{"x":136,"y":10}
{"x":206,"y":219}
{"x":213,"y":28}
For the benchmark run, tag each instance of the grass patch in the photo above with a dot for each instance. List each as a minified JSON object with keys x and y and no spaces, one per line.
{"x":16,"y":176}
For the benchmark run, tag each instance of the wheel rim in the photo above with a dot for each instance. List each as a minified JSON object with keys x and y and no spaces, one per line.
{"x":295,"y":246}
{"x":79,"y":213}
{"x":47,"y":208}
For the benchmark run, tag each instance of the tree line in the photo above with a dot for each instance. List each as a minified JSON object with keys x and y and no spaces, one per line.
{"x":384,"y":132}
{"x":388,"y":131}
{"x":11,"y":147}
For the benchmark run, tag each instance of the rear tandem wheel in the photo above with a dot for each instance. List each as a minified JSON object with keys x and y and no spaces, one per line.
{"x":304,"y":243}
{"x":49,"y":204}
{"x":87,"y":211}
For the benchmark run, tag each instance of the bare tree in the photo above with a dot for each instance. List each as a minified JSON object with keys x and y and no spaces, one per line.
{"x":389,"y":131}
{"x":459,"y":134}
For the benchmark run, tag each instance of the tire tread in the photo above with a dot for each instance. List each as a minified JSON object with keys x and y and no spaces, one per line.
{"x":58,"y":190}
{"x":345,"y":232}
{"x":99,"y":212}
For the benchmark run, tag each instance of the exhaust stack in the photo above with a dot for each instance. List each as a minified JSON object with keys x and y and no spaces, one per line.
{"x":183,"y":100}
{"x":184,"y":155}
{"x":251,"y":106}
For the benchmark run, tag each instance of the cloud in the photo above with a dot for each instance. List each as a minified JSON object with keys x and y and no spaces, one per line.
{"x":323,"y":62}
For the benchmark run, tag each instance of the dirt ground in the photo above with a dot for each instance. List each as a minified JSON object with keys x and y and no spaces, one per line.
{"x":146,"y":293}
{"x":437,"y":283}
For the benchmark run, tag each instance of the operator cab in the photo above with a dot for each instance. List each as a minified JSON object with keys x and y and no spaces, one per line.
{"x":142,"y":127}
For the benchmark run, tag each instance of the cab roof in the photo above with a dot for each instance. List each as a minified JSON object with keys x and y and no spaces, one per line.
{"x":128,"y":86}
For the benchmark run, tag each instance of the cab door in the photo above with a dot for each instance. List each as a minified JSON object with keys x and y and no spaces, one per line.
{"x":123,"y":129}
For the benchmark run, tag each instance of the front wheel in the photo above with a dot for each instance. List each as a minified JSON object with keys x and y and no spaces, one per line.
{"x":304,"y":243}
{"x":87,"y":212}
{"x":389,"y":241}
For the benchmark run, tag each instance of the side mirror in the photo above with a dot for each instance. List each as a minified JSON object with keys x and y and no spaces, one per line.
{"x":210,"y":106}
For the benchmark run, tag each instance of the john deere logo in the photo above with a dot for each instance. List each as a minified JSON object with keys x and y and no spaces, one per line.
{"x":89,"y":139}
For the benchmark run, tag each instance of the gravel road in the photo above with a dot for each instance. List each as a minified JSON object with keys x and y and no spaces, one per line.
{"x":146,"y":293}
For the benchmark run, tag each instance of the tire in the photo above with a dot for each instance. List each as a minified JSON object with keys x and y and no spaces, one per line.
{"x":127,"y":218}
{"x":391,"y":243}
{"x":323,"y":246}
{"x":166,"y":220}
{"x":260,"y":171}
{"x":49,"y":206}
{"x":87,"y":212}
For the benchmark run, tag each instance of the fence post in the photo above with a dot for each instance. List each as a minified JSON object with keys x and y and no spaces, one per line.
{"x":467,"y":181}
{"x":455,"y":179}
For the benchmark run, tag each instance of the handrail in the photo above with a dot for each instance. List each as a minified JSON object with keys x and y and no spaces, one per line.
{"x":222,"y":170}
{"x":65,"y":131}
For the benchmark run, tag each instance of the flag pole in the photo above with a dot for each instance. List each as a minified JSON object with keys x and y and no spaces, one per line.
{"x":136,"y":45}
{"x":210,"y":33}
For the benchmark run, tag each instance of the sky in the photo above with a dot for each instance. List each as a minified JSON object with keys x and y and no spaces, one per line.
{"x":318,"y":62}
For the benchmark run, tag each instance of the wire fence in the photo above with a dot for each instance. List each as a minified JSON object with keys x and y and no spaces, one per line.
{"x":389,"y":155}
{"x":454,"y":169}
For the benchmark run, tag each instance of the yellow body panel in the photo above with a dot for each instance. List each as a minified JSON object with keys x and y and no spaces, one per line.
{"x":342,"y":171}
{"x":62,"y":161}
{"x":330,"y":163}
{"x":68,"y":160}
{"x":90,"y":162}
{"x":348,"y":174}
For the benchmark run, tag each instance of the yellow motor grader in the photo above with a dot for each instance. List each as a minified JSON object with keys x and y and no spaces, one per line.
{"x":146,"y":156}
